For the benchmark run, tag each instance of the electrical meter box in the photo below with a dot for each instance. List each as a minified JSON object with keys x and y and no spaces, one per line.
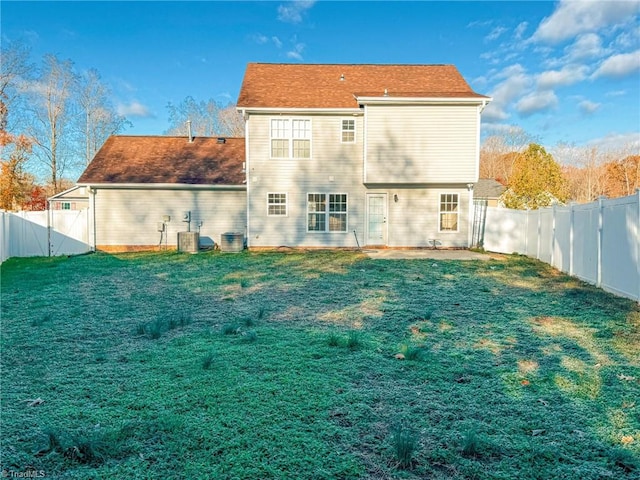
{"x":186,"y":216}
{"x":161,"y":226}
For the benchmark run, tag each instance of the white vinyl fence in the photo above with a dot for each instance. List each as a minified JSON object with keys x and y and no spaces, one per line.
{"x":598,"y":242}
{"x":42,"y":234}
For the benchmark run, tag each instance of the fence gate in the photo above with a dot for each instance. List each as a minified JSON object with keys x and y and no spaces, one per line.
{"x":479,"y":220}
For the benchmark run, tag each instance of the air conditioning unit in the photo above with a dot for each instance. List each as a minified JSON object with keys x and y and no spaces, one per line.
{"x":232,"y":242}
{"x":188,"y":242}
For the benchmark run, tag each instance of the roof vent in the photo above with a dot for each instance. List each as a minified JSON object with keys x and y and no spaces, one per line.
{"x":386,"y":93}
{"x":189,"y":131}
{"x":221,"y":140}
{"x":342,"y":77}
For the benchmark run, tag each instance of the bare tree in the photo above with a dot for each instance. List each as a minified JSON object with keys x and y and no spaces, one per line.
{"x":14,"y":67}
{"x":584,"y":170}
{"x":232,"y":121}
{"x":50,"y":96}
{"x":208,"y":119}
{"x":97,"y":118}
{"x":498,"y":153}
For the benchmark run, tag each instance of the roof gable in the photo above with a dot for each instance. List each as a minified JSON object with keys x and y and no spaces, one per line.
{"x":267,"y":85}
{"x":166,"y":160}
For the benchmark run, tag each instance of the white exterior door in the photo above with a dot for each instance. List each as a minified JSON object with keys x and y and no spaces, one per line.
{"x":376,"y":219}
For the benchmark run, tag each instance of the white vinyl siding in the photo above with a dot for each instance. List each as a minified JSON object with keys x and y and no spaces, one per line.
{"x":348,"y":131}
{"x":277,"y":204}
{"x":448,"y":215}
{"x":337,"y":168}
{"x":290,"y":138}
{"x":421,"y":144}
{"x":130,"y":217}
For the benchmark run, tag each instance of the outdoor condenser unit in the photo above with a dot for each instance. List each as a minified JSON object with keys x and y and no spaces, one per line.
{"x":188,"y":242}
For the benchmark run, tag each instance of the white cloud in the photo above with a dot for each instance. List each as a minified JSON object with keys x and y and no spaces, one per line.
{"x":618,"y":141}
{"x":292,"y":12}
{"x":587,"y":107}
{"x":616,"y":93}
{"x":516,"y":82}
{"x":628,"y":39}
{"x":520,"y":29}
{"x":536,"y":102}
{"x":495,"y":33}
{"x":561,"y":78}
{"x":134,"y":109}
{"x":296,"y":53}
{"x":259,"y":38}
{"x":619,"y":65}
{"x":573,"y":18}
{"x":276,"y":41}
{"x":588,"y":45}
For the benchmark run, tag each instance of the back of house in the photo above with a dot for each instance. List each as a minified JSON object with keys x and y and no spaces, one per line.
{"x":376,"y":155}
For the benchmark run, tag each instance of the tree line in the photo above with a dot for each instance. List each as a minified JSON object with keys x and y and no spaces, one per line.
{"x":535,"y":178}
{"x":54,"y":118}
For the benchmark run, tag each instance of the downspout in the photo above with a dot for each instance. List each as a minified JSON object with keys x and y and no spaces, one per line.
{"x":246,"y":175}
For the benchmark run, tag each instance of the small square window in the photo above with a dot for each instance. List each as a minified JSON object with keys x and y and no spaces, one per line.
{"x":277,"y":204}
{"x":348,"y":131}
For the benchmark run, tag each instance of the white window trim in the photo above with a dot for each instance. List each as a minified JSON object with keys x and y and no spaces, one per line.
{"x":327,"y":213}
{"x":440,"y":212}
{"x":286,"y":204}
{"x":290,"y":138}
{"x":342,"y":130}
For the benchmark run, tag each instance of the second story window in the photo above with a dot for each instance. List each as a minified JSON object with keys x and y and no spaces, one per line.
{"x":348,"y":131}
{"x":290,"y":138}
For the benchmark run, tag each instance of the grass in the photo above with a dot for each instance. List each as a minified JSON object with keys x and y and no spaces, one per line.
{"x":405,"y":442}
{"x":523,"y":372}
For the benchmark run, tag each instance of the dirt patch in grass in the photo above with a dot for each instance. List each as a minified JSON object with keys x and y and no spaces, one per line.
{"x":287,"y":365}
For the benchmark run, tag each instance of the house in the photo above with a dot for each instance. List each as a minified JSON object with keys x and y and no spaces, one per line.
{"x":490,"y":190}
{"x":143,"y":190}
{"x":348,"y":155}
{"x":74,"y":198}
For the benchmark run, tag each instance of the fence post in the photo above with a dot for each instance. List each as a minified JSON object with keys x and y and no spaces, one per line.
{"x":538,"y":234}
{"x":553,"y":235}
{"x":638,"y":241}
{"x":599,"y":241}
{"x":571,"y":222}
{"x":49,"y":226}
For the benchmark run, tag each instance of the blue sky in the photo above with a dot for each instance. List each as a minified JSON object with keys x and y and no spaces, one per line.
{"x":561,"y":71}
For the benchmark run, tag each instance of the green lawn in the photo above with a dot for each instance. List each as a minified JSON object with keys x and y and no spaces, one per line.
{"x":284,"y":365}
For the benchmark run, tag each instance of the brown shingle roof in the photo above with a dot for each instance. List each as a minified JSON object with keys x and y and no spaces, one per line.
{"x":488,"y":188}
{"x":205,"y":161}
{"x":334,"y":86}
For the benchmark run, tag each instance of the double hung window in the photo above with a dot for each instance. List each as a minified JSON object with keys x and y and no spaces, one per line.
{"x":327,"y":212}
{"x":290,"y":138}
{"x":277,"y":204}
{"x":448,"y":212}
{"x":348,"y":132}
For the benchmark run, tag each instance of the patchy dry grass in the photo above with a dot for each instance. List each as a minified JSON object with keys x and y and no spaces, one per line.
{"x":118,"y":366}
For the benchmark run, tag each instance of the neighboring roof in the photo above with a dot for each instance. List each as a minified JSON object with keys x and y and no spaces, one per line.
{"x":74,"y":193}
{"x":270,"y":85}
{"x":155,"y":159}
{"x":488,"y":188}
